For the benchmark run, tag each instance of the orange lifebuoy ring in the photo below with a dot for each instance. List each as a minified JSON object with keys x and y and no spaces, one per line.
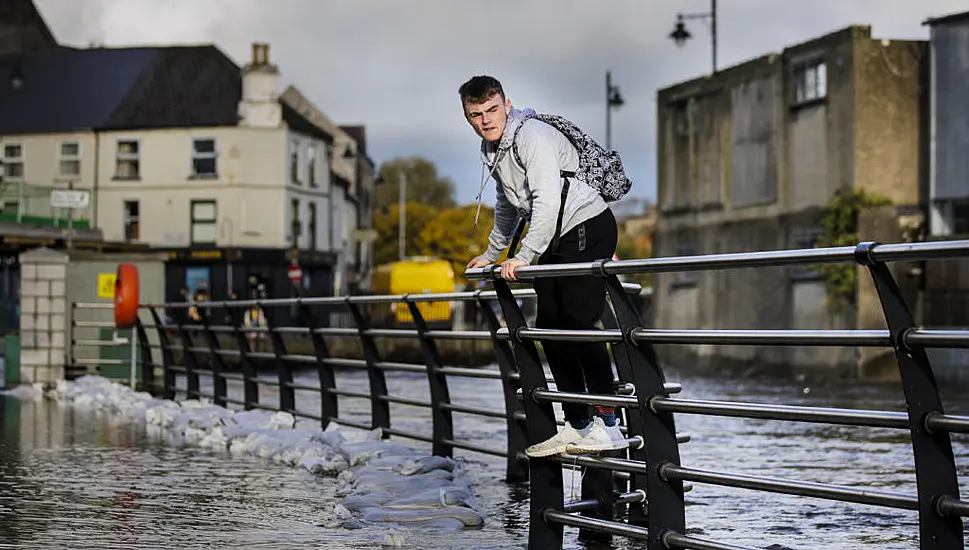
{"x":126,"y":296}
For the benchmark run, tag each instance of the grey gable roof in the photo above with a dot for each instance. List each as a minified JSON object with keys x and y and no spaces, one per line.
{"x":126,"y":88}
{"x":67,"y":89}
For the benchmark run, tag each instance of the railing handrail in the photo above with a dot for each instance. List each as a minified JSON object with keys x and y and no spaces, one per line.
{"x":651,"y":466}
{"x":862,"y":253}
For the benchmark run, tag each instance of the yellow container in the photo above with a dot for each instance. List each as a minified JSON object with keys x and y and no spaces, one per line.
{"x":414,"y":276}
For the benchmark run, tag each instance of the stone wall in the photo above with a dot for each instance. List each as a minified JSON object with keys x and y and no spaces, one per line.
{"x":43,"y":316}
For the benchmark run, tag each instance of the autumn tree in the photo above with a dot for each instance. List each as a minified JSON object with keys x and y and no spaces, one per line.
{"x":424,"y":184}
{"x":452,"y":235}
{"x":386,"y":222}
{"x":632,"y":247}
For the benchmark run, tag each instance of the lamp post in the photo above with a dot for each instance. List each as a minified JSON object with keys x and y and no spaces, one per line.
{"x":401,"y":211}
{"x":401,"y":223}
{"x":680,"y":35}
{"x":613,"y":99}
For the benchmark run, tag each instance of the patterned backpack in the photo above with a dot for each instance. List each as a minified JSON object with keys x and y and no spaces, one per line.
{"x":600,"y":169}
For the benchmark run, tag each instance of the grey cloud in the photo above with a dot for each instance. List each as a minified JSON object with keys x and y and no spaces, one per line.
{"x":396,"y":66}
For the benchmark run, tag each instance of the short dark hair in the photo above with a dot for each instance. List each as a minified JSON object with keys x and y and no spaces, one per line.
{"x":480,"y":89}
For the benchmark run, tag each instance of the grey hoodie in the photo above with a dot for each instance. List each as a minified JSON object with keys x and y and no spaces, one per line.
{"x":545,"y":152}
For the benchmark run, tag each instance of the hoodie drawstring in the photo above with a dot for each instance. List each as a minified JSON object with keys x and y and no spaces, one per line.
{"x":485,"y":176}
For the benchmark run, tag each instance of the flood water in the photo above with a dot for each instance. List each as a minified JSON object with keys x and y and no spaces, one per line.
{"x":71,"y":478}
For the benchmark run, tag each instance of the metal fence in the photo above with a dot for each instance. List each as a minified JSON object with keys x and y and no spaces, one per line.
{"x":638,"y":493}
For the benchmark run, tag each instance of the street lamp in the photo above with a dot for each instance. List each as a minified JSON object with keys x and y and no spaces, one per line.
{"x":680,"y":34}
{"x":17,"y":78}
{"x":613,"y":99}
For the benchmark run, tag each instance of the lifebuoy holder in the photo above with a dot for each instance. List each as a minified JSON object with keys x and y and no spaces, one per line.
{"x":126,"y":296}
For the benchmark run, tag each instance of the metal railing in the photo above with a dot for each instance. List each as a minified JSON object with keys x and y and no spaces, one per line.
{"x":639,"y":492}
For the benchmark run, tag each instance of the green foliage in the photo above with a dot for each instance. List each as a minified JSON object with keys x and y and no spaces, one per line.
{"x":424,"y":184}
{"x":386,"y":222}
{"x":840,"y":226}
{"x":633,"y":247}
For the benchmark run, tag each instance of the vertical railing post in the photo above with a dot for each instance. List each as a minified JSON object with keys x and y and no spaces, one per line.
{"x":640,"y":364}
{"x":168,"y":359}
{"x":441,"y":418}
{"x":935,"y":471}
{"x":147,"y":359}
{"x":379,"y":406}
{"x":634,"y":421}
{"x":180,"y":317}
{"x":544,"y":474}
{"x":219,"y":368}
{"x":250,"y":385}
{"x":328,"y":399}
{"x":515,"y":469}
{"x":287,"y":394}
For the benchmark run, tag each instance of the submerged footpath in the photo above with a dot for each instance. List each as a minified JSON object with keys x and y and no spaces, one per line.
{"x":378,"y":481}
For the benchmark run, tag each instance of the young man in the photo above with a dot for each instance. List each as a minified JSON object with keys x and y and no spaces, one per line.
{"x":588,"y":232}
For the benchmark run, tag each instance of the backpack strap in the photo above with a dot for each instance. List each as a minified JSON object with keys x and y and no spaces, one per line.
{"x":564,"y":174}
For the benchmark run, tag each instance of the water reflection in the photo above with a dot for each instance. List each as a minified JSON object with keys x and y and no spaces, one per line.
{"x":70,"y":478}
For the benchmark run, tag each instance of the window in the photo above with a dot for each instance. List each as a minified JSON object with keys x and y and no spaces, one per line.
{"x":312,"y":154}
{"x":10,"y":208}
{"x":203,"y":222}
{"x":810,"y":81}
{"x":70,"y":158}
{"x":311,"y":230}
{"x":294,"y":163}
{"x":132,"y":227}
{"x":128,"y":159}
{"x":204,"y":158}
{"x":13,"y":161}
{"x":296,"y":224}
{"x":684,"y":117}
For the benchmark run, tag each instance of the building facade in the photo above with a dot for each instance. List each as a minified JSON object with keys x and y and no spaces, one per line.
{"x":748,"y":159}
{"x":946,"y":286}
{"x":184,"y":151}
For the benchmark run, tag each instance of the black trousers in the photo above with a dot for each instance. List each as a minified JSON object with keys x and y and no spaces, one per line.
{"x":578,"y":303}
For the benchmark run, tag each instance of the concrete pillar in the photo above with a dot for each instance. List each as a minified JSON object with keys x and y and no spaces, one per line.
{"x":43,"y":316}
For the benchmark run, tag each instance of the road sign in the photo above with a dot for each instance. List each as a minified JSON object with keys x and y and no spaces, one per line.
{"x":295,"y":274}
{"x":70,"y":198}
{"x":106,"y":285}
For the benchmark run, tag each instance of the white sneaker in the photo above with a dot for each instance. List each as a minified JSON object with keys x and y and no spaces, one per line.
{"x":600,"y":438}
{"x":558,"y":442}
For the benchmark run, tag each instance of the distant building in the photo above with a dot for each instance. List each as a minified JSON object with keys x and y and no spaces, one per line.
{"x":748,"y":159}
{"x":187,"y":152}
{"x":949,"y":176}
{"x":946,"y":285}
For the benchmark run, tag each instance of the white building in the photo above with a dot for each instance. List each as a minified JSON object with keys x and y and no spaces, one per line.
{"x":185,"y":151}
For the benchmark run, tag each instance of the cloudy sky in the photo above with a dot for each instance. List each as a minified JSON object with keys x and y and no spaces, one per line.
{"x":395,"y":66}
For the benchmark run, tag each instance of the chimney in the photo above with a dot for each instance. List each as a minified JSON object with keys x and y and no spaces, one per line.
{"x":260,"y":54}
{"x":259,"y":106}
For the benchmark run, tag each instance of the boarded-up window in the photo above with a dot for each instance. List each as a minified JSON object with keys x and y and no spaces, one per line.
{"x":753,"y":158}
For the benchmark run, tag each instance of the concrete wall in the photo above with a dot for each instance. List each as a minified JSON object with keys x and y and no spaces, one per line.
{"x":889,"y":116}
{"x":763,"y":298}
{"x":753,"y":142}
{"x":52,"y":282}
